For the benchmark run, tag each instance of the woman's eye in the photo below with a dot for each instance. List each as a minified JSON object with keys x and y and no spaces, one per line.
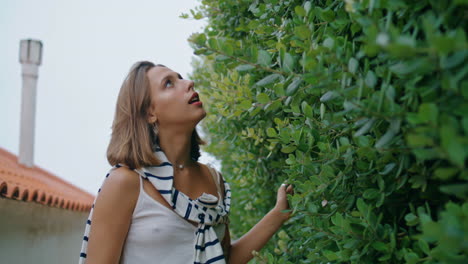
{"x":168,"y":83}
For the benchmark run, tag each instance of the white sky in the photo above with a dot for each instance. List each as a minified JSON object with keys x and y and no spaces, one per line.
{"x":88,"y":48}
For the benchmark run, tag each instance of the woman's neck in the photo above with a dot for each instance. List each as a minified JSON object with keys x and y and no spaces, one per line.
{"x":176,"y":146}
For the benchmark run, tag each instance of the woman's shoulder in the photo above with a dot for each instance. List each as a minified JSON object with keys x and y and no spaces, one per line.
{"x":118,"y":194}
{"x":121,"y":182}
{"x":123,"y":176}
{"x":209,"y":165}
{"x":212,"y":169}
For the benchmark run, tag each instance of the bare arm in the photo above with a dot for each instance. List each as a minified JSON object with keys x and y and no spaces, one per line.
{"x":258,"y":236}
{"x":112,"y":215}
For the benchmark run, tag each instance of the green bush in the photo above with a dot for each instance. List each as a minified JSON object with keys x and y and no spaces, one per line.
{"x":361,"y":104}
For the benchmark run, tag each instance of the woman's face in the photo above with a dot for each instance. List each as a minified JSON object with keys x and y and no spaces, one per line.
{"x":170,"y":99}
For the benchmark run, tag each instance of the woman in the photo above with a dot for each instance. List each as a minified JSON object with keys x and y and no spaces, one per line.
{"x":158,"y":204}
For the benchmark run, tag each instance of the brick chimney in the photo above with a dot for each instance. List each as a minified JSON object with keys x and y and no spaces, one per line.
{"x":30,"y":58}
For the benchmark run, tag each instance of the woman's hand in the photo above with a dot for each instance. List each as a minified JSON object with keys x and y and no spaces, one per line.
{"x":258,"y":236}
{"x":282,"y":201}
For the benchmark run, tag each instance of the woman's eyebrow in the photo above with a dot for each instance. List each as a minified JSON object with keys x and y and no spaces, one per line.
{"x":169,"y":75}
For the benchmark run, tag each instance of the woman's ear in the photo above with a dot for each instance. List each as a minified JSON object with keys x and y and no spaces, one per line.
{"x":151,"y":117}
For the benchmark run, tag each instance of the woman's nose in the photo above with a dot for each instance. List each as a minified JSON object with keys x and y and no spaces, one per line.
{"x":190,"y":85}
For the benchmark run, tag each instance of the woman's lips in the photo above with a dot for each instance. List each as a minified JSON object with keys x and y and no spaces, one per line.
{"x":197,"y":103}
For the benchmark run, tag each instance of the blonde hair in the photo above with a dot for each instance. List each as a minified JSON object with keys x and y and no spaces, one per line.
{"x":133,"y":139}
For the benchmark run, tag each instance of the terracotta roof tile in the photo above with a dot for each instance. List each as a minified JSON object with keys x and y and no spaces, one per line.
{"x":38,"y":185}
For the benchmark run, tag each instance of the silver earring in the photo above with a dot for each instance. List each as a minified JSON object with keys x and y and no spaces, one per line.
{"x":155,"y":129}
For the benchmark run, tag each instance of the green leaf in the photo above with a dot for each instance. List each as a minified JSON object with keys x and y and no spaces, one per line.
{"x":371,"y":194}
{"x":264,"y":58}
{"x":419,"y":140}
{"x":451,"y":145}
{"x":293,"y":86}
{"x":402,"y":68}
{"x":221,"y":58}
{"x":213,"y":43}
{"x":426,"y":154}
{"x":353,"y":64}
{"x":273,"y":106}
{"x":460,"y":190}
{"x":288,"y":62}
{"x":245,"y":104}
{"x":413,"y":118}
{"x":300,"y":11}
{"x":392,"y":130}
{"x":351,"y":244}
{"x":381,"y":200}
{"x":385,"y":257}
{"x":379,"y":246}
{"x":202,"y":51}
{"x":253,"y":24}
{"x":327,"y":15}
{"x":448,"y":62}
{"x":226,"y":47}
{"x":279,"y":89}
{"x":199,"y":39}
{"x":329,"y":43}
{"x":303,"y":32}
{"x":370,"y":80}
{"x":388,"y":168}
{"x":288,"y":149}
{"x":365,"y":128}
{"x":307,"y":110}
{"x":310,"y":78}
{"x":411,"y":219}
{"x":263,"y":98}
{"x":244,"y":67}
{"x":381,"y":183}
{"x":330,"y":255}
{"x":330,"y":95}
{"x":428,"y":113}
{"x":362,"y":207}
{"x":443,"y":44}
{"x":414,"y":66}
{"x":424,"y":246}
{"x":268,"y":79}
{"x":307,"y":6}
{"x":271,"y":132}
{"x":322,"y":110}
{"x":411,"y":258}
{"x":445,"y":173}
{"x":385,"y":139}
{"x":461,"y":2}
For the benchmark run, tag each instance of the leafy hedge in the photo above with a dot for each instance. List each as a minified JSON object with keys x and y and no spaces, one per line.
{"x":361,"y":104}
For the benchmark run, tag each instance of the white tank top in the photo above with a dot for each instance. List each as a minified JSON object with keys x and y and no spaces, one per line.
{"x":159,"y":235}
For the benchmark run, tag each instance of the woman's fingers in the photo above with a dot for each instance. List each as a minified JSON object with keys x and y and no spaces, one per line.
{"x":287,"y":187}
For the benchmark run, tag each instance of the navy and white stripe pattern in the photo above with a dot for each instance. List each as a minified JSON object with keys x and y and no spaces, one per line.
{"x":205,"y":210}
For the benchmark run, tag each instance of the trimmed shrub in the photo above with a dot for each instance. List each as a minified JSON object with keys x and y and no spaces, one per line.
{"x":361,"y":105}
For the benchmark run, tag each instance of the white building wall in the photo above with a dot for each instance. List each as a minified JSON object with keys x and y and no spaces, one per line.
{"x":35,"y":233}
